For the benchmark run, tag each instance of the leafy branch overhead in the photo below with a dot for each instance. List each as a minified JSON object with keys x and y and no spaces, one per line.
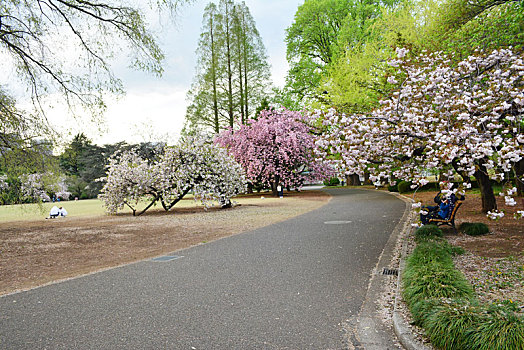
{"x":36,"y":34}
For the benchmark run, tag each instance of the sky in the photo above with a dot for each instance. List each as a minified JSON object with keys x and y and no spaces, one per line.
{"x":154,"y":108}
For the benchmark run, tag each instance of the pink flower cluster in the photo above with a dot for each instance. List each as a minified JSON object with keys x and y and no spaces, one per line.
{"x":277,"y":148}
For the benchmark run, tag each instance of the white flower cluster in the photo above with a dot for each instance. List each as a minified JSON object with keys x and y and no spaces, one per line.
{"x":519,"y":214}
{"x":495,"y":215}
{"x":466,"y":117}
{"x":509,"y":196}
{"x":194,"y":165}
{"x":33,"y":186}
{"x":3,"y":183}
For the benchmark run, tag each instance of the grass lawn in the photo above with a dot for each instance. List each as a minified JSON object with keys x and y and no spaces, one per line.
{"x":81,"y":208}
{"x":30,"y":212}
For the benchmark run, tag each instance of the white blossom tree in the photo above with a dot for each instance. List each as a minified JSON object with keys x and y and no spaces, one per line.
{"x":195,"y":164}
{"x":465,"y":118}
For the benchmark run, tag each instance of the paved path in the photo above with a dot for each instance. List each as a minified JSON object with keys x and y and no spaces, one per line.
{"x":290,"y":285}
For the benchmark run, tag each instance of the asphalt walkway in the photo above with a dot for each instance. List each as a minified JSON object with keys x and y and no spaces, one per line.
{"x":291,"y":285}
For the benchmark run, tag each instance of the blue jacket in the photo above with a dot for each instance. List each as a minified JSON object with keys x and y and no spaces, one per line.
{"x":444,"y":210}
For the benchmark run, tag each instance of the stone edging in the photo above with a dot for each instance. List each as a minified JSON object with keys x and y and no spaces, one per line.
{"x":400,"y":327}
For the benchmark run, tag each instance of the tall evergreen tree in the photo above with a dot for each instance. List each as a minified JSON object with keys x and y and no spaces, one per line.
{"x":232,"y":71}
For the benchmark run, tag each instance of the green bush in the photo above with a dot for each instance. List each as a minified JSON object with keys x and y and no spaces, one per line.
{"x":435,"y":280}
{"x":422,"y":310}
{"x":334,"y":181}
{"x":404,"y":186}
{"x":430,"y":231}
{"x":443,"y":302}
{"x":393,"y":188}
{"x":501,"y":326}
{"x":437,"y":249}
{"x":450,"y":322}
{"x":474,"y":228}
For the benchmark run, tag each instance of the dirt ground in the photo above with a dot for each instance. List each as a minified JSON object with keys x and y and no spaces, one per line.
{"x":34,"y":253}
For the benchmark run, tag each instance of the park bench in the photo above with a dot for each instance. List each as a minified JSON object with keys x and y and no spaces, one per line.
{"x":450,"y":220}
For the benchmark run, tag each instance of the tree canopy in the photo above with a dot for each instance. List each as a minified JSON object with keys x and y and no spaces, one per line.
{"x":321,"y":32}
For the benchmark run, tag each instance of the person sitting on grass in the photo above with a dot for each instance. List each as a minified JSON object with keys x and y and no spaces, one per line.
{"x":63,"y":212}
{"x":441,"y":212}
{"x":54,"y":212}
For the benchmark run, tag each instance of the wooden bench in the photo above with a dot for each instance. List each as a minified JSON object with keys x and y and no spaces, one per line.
{"x":450,"y":221}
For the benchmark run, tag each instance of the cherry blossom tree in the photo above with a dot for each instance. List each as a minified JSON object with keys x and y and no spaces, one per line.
{"x":278,"y":148}
{"x":195,"y":164}
{"x":465,"y":118}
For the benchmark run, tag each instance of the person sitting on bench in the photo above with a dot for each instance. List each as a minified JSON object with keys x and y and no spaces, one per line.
{"x":440,"y":212}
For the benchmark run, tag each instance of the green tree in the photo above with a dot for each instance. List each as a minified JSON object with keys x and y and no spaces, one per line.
{"x":321,"y":32}
{"x":357,"y":79}
{"x":232,"y":72}
{"x":38,"y":36}
{"x":62,"y":49}
{"x":462,"y":26}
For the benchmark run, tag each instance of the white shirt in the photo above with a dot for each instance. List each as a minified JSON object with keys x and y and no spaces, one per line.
{"x":54,"y":211}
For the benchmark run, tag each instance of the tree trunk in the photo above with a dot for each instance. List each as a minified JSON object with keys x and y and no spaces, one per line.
{"x":349,"y":180}
{"x":230,"y":111}
{"x":519,"y":177}
{"x":367,"y":181}
{"x":214,"y":63}
{"x":226,"y":205}
{"x":356,"y":180}
{"x":486,"y":190}
{"x":274,"y":185}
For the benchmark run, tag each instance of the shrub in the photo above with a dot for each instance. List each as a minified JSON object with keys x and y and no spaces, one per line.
{"x":430,"y":231}
{"x":422,"y":310}
{"x":430,"y":281}
{"x":334,"y":181}
{"x":474,"y":229}
{"x":435,"y":280}
{"x":432,"y":250}
{"x":501,"y":327}
{"x":393,"y":188}
{"x":404,"y":186}
{"x":450,"y":322}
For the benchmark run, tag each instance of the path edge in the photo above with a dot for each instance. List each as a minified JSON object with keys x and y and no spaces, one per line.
{"x":368,"y":326}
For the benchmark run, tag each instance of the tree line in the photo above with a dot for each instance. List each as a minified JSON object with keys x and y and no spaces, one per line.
{"x":74,"y":173}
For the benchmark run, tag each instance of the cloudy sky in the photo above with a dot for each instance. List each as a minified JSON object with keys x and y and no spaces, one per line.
{"x":154,"y":108}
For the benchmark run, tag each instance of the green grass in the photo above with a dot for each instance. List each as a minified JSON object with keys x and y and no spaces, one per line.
{"x":443,"y":302}
{"x":95,"y":207}
{"x":28,"y":212}
{"x":474,"y":228}
{"x":428,"y":232}
{"x":81,"y":208}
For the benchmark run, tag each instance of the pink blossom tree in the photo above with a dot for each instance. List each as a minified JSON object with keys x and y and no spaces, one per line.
{"x":465,"y":118}
{"x":278,"y":148}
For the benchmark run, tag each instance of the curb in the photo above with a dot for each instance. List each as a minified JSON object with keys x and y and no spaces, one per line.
{"x":402,"y":331}
{"x":371,"y":333}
